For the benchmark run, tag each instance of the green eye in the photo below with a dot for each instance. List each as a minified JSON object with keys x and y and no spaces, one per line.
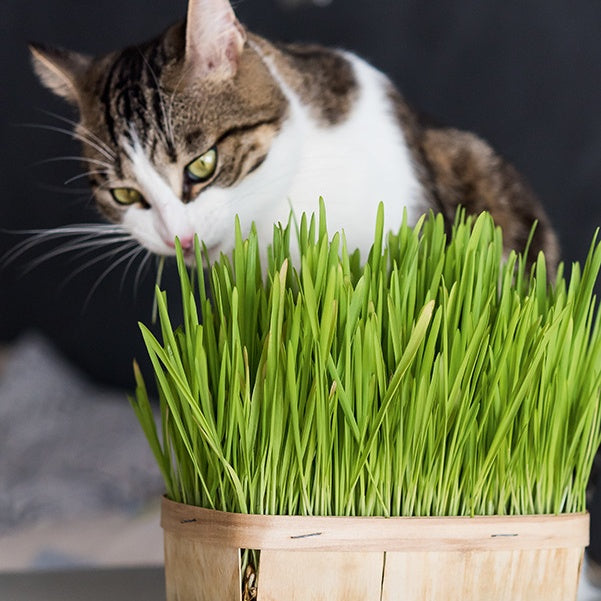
{"x":127,"y":196}
{"x":203,"y":167}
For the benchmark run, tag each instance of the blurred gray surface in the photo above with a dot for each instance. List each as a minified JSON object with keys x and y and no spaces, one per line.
{"x":68,"y":449}
{"x":139,"y":584}
{"x":146,"y":584}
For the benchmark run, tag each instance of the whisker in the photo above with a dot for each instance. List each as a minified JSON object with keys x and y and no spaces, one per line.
{"x":107,"y":185}
{"x":99,"y":258}
{"x":105,"y":273}
{"x":160,"y":263}
{"x":139,"y":251}
{"x":98,"y":229}
{"x":144,"y":263}
{"x":86,"y":174}
{"x":61,"y":189}
{"x":83,"y":247}
{"x":73,"y":158}
{"x":81,"y":228}
{"x":41,"y":236}
{"x":109,"y":242}
{"x":92,"y":136}
{"x":71,"y":133}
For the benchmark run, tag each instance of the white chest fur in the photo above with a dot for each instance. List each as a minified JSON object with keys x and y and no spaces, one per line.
{"x":354,"y":166}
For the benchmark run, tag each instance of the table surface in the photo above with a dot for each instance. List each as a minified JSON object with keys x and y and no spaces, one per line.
{"x":128,"y":584}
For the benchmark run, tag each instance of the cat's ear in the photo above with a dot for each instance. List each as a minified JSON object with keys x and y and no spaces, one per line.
{"x":214,"y":40}
{"x":59,"y":70}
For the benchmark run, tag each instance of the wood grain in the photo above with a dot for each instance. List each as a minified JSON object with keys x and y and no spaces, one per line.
{"x":196,"y":571}
{"x":493,"y":533}
{"x":525,"y":575}
{"x":320,"y":576}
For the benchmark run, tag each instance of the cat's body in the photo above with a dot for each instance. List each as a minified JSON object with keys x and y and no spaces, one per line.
{"x":210,"y":121}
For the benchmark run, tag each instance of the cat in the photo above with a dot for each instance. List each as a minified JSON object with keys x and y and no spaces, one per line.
{"x":209,"y":121}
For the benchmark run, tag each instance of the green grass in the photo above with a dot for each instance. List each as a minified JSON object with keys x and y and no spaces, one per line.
{"x":435,"y":379}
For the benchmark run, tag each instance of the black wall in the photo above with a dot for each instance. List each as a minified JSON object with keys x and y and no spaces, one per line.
{"x":526,"y":76}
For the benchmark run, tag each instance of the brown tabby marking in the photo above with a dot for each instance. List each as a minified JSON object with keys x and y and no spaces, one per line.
{"x":467,"y":171}
{"x":322,"y":78}
{"x":458,"y":168}
{"x":326,"y":81}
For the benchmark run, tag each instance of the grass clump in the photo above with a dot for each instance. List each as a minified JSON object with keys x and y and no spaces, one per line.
{"x":436,"y":379}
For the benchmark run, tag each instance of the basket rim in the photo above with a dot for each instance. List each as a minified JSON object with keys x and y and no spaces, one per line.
{"x":334,"y":533}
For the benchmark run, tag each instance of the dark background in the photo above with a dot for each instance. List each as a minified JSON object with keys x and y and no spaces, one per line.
{"x":524,"y":75}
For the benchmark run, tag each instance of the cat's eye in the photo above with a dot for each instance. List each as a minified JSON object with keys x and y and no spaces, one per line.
{"x":127,"y":196}
{"x":202,"y":168}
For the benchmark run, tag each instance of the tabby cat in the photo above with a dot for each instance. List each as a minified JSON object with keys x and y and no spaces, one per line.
{"x":209,"y":121}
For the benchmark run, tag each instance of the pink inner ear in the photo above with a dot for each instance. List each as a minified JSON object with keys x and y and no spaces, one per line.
{"x":214,"y":39}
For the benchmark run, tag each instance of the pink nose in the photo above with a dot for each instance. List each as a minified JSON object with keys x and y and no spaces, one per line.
{"x":187,"y":242}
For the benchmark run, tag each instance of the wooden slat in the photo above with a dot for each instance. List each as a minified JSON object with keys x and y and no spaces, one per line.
{"x":526,"y":575}
{"x":376,"y":534}
{"x":320,"y":576}
{"x":196,"y":571}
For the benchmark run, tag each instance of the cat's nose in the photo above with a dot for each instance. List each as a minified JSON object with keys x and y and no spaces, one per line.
{"x":187,"y":242}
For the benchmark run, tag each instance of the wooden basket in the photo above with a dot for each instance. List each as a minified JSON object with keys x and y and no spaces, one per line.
{"x":498,"y":558}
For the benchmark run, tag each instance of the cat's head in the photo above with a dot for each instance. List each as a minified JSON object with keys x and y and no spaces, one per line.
{"x":177,"y":132}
